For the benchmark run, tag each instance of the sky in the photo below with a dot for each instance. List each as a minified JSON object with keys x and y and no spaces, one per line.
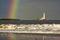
{"x":31,"y":9}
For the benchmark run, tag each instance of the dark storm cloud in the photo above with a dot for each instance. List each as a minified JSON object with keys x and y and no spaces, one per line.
{"x":31,"y":9}
{"x":41,"y":0}
{"x":4,"y":4}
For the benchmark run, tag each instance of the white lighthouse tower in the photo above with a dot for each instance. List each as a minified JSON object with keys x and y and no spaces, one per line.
{"x":43,"y":17}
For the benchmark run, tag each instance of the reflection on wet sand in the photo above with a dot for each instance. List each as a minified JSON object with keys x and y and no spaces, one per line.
{"x":10,"y":36}
{"x":7,"y":36}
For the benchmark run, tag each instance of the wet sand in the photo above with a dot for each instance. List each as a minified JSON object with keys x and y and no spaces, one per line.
{"x":10,"y":36}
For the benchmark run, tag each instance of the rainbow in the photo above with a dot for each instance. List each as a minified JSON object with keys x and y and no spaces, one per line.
{"x":13,"y":8}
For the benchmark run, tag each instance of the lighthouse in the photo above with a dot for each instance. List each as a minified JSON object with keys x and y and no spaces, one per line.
{"x":43,"y":17}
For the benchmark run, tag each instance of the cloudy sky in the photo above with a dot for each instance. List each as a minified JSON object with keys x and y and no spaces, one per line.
{"x":31,"y":9}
